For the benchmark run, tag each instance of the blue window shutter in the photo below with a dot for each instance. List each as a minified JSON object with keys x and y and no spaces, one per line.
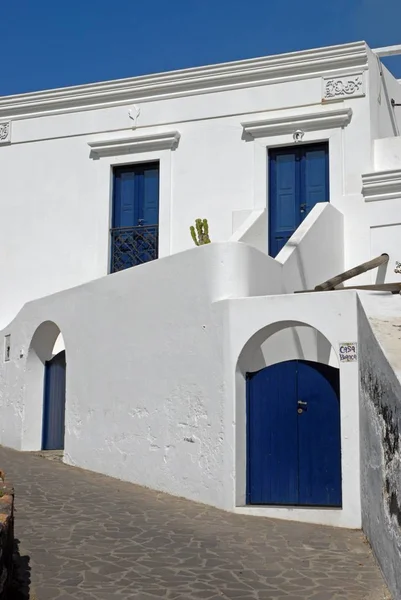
{"x":284,"y":201}
{"x":125,"y":194}
{"x":135,"y":215}
{"x":314,"y":177}
{"x":150,"y":205}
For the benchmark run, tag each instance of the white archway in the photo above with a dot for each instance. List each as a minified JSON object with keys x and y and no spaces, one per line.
{"x":46,"y":342}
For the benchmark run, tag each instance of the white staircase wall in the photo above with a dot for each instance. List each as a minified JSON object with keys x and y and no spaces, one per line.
{"x":315,"y":252}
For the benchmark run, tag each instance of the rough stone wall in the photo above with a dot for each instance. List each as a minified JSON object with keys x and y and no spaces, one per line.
{"x":380,"y":406}
{"x":6,"y":537}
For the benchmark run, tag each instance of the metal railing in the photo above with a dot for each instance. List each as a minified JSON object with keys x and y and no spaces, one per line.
{"x":131,"y":246}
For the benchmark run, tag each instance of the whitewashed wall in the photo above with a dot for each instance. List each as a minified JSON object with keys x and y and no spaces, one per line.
{"x":252,"y":321}
{"x":153,"y":360}
{"x":56,"y":197}
{"x":145,"y":395}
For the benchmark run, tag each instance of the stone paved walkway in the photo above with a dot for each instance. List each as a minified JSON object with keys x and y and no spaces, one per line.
{"x":92,"y":537}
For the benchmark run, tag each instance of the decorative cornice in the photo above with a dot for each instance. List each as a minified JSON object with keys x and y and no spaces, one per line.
{"x":322,"y":119}
{"x":199,"y":80}
{"x":139,"y":143}
{"x":383,"y":185}
{"x":5,"y":132}
{"x":344,"y":87}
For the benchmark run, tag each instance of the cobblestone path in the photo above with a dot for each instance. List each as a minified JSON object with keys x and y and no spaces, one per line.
{"x":92,"y":537}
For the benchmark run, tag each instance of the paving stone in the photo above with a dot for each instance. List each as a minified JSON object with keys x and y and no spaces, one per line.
{"x":92,"y":537}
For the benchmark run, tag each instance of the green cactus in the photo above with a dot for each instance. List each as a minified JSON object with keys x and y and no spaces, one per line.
{"x":200,"y":233}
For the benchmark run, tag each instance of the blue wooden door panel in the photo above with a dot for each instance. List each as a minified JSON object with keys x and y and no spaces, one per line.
{"x":319,"y":435}
{"x":273,"y":448}
{"x":294,"y":450}
{"x":54,"y":403}
{"x":298,"y":179}
{"x":314,"y":177}
{"x":283,"y":218}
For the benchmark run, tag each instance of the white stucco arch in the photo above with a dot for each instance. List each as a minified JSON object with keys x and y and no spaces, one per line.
{"x":45,"y":343}
{"x":286,"y":340}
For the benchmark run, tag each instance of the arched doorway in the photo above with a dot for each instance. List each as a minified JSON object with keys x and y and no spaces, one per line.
{"x":276,"y":452}
{"x":45,"y":390}
{"x":293,"y":435}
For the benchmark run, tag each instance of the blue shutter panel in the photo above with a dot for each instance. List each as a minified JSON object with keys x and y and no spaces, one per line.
{"x":314,"y":177}
{"x":125,"y":194}
{"x":150,"y":205}
{"x":284,"y":213}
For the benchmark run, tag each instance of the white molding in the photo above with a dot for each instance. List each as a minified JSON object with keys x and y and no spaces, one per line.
{"x":383,"y":185}
{"x":129,"y":145}
{"x":343,"y":87}
{"x":291,"y":123}
{"x":199,"y":80}
{"x":5,"y":132}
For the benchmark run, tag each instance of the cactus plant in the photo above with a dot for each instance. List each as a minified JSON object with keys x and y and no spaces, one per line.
{"x":200,"y":233}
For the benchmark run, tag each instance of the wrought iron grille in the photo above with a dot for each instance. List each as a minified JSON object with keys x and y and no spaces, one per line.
{"x":131,"y":246}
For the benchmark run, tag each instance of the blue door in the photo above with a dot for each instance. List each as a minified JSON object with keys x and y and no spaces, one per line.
{"x":293,"y":435}
{"x":135,"y":218}
{"x":298,"y":179}
{"x":54,"y":403}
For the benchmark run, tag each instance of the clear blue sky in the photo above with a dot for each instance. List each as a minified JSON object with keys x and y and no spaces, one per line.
{"x":54,"y":43}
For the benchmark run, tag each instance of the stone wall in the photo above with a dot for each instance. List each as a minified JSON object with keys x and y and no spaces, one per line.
{"x":380,"y":455}
{"x":6,"y":536}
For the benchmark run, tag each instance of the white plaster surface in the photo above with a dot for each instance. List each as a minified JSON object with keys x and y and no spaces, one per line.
{"x":387,"y":153}
{"x":155,"y":378}
{"x":215,"y":171}
{"x":145,"y":397}
{"x":252,"y":321}
{"x":156,"y":355}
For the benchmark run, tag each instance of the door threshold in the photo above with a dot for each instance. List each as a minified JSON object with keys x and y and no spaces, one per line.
{"x":55,"y":455}
{"x":335,"y":517}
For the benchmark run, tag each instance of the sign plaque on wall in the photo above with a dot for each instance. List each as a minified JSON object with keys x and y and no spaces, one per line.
{"x":348,"y":352}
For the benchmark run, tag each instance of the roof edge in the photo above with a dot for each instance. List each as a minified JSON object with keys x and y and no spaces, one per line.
{"x":196,"y":80}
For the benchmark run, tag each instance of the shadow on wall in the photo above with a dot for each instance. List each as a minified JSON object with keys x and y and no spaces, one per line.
{"x":282,"y":341}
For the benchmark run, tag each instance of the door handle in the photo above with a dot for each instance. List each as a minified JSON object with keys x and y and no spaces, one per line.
{"x":302,"y":406}
{"x":302,"y":207}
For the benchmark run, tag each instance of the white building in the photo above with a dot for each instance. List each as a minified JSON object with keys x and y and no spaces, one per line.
{"x":201,"y":373}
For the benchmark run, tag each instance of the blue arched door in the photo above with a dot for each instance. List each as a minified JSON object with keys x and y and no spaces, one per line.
{"x":54,"y":403}
{"x":293,"y":435}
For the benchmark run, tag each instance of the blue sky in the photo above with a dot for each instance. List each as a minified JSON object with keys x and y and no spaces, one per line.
{"x":54,"y":43}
